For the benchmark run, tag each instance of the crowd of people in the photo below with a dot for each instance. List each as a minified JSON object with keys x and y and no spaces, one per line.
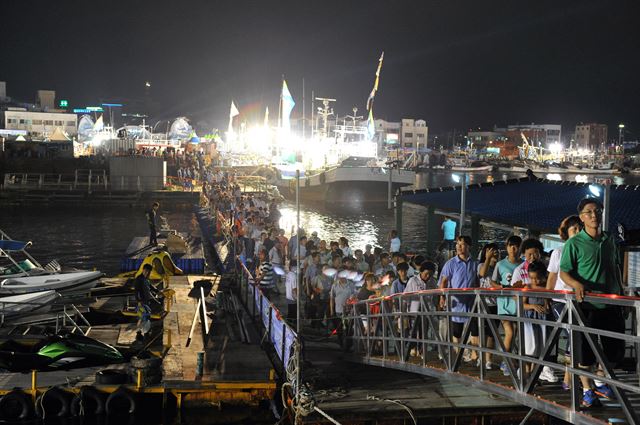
{"x":334,"y":276}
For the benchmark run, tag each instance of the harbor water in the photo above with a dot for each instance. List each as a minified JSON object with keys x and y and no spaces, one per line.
{"x":96,"y":237}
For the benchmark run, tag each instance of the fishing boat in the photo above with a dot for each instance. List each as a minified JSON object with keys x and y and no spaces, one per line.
{"x":473,"y":166}
{"x":62,"y":282}
{"x":356,"y":180}
{"x":23,"y":353}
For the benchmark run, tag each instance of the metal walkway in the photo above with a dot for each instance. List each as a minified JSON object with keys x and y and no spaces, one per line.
{"x":384,"y":332}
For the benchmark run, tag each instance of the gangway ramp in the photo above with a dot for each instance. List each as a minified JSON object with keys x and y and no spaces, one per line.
{"x":382,"y":332}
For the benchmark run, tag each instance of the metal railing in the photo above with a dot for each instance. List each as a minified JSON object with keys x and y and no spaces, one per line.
{"x":276,"y":330}
{"x":85,"y":180}
{"x":384,"y":332}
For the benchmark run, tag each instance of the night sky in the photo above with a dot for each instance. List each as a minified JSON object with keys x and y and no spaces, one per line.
{"x":456,"y":64}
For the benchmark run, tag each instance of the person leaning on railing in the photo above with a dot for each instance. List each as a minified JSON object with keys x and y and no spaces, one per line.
{"x":590,"y":262}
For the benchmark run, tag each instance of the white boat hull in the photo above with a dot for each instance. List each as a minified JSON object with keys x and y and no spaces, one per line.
{"x":40,"y":302}
{"x":472,"y":169}
{"x":62,"y":282}
{"x":348,"y":185}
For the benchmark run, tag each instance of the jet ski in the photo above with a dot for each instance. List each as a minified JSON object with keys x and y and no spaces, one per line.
{"x":37,"y":302}
{"x":23,"y":353}
{"x":63,"y":282}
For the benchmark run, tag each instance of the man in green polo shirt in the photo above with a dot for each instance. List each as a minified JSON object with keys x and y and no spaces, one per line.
{"x":590,"y":263}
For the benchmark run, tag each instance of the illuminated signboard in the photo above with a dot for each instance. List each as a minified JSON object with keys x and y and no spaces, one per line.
{"x":64,"y":103}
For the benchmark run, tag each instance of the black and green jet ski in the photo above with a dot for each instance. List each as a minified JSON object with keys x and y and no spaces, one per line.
{"x":23,"y":353}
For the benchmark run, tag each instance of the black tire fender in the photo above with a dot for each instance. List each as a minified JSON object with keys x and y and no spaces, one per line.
{"x":121,"y":402}
{"x":88,"y":402}
{"x":54,"y":402}
{"x":16,"y":405}
{"x":323,"y":178}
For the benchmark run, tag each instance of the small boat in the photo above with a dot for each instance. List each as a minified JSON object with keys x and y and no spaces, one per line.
{"x":23,"y":353}
{"x":473,"y":166}
{"x":63,"y":282}
{"x":37,"y":302}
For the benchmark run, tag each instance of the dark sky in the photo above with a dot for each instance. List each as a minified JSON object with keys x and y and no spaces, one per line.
{"x":454,"y":63}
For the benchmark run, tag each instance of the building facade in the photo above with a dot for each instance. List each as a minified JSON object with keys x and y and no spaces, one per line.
{"x":414,"y":133}
{"x":39,"y":124}
{"x":539,"y":134}
{"x":592,"y":136}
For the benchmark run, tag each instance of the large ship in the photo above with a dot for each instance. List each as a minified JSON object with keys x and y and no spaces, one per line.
{"x":356,"y":180}
{"x":344,"y":167}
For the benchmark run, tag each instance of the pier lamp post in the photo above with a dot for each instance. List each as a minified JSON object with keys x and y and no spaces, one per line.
{"x":620,"y":133}
{"x":298,"y":286}
{"x":463,"y":195}
{"x":598,"y":189}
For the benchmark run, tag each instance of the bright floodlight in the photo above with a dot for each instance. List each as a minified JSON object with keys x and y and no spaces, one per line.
{"x":456,"y":178}
{"x":595,"y":190}
{"x":620,"y":125}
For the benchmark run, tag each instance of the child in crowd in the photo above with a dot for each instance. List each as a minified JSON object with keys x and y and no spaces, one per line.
{"x":535,"y":308}
{"x":488,"y":259}
{"x":503,"y":278}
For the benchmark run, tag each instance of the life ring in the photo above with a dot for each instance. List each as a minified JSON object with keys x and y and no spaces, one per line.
{"x":88,"y":402}
{"x":121,"y":402}
{"x":323,"y":178}
{"x":53,"y":403}
{"x":15,"y":405}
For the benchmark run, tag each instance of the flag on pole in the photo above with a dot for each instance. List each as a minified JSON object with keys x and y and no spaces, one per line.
{"x":233,"y":111}
{"x":287,"y":106}
{"x":266,"y":117}
{"x":371,"y":126}
{"x":375,"y":84}
{"x":99,"y":125}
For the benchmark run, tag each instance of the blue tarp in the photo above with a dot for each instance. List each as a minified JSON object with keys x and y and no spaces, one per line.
{"x":537,"y":204}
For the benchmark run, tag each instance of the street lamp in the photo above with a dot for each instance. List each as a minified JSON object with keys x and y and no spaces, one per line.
{"x":620,"y":133}
{"x":463,"y":195}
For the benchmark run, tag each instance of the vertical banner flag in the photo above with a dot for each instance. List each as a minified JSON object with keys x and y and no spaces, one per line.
{"x":287,"y":106}
{"x":99,"y":125}
{"x":375,"y":84}
{"x":371,"y":127}
{"x":232,"y":113}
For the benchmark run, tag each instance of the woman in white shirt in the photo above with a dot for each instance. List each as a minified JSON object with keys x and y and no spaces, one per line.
{"x":569,"y":227}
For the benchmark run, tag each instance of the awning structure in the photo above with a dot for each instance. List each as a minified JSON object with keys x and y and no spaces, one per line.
{"x":537,"y":204}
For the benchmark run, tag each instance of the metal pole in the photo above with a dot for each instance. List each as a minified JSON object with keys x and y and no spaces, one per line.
{"x":298,"y":327}
{"x":390,"y":188}
{"x":605,"y":210}
{"x":463,"y":196}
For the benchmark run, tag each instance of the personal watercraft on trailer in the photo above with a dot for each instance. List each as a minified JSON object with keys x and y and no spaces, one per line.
{"x":62,"y":282}
{"x":23,"y":353}
{"x":37,"y":302}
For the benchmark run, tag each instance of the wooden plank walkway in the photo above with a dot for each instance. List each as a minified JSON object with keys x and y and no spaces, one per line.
{"x":226,"y":358}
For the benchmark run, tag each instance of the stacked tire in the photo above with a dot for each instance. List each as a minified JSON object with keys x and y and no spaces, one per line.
{"x":150,"y":366}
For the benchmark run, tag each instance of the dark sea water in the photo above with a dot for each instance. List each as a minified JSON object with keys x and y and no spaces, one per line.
{"x":97,"y":237}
